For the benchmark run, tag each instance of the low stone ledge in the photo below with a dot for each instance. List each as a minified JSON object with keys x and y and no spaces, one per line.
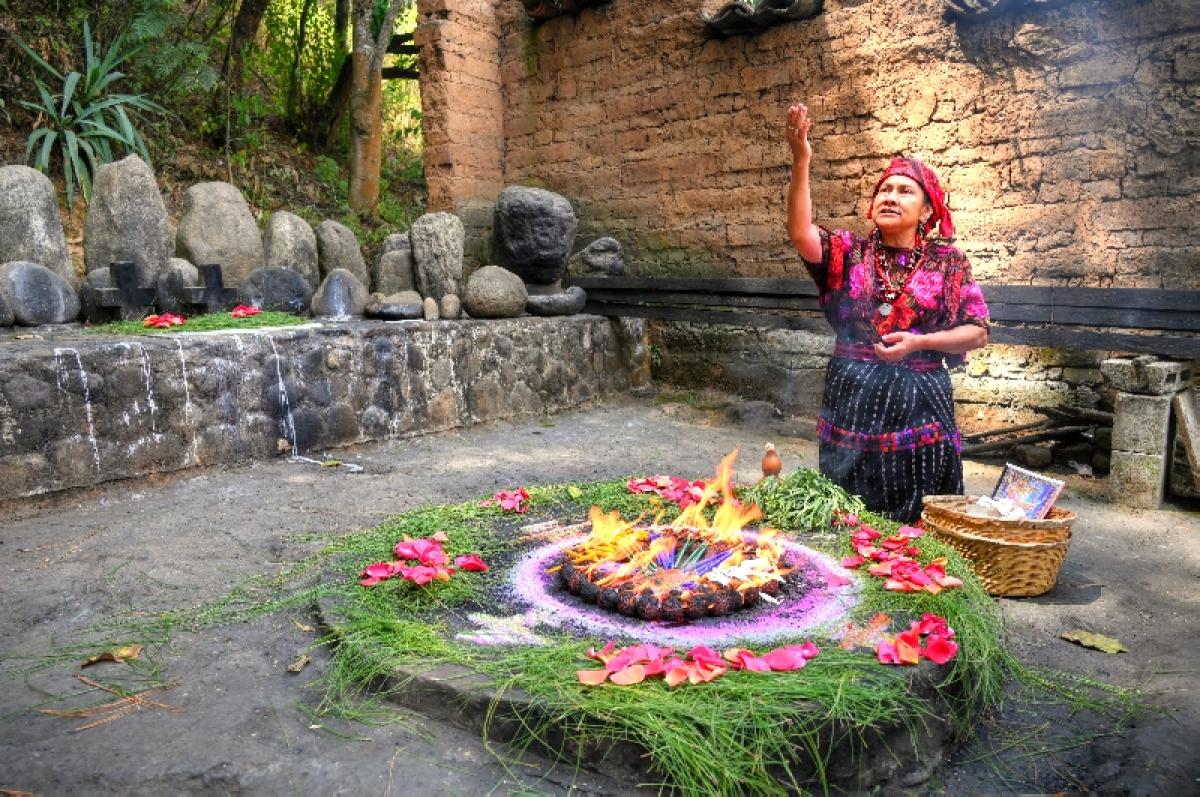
{"x":78,"y":409}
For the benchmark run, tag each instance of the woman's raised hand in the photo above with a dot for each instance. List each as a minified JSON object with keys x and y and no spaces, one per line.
{"x":798,"y":125}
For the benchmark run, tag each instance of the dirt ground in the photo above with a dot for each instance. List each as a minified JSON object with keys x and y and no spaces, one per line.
{"x":145,"y":546}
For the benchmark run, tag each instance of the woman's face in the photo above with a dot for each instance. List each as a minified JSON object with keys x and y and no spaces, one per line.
{"x":899,"y":204}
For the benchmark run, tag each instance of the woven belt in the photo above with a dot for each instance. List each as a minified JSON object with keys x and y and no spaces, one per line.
{"x":864,"y":353}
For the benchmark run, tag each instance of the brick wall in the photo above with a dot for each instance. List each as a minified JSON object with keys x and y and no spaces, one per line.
{"x":1068,"y":137}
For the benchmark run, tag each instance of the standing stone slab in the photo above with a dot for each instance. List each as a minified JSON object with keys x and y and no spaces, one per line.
{"x":341,"y":295}
{"x":30,"y":227}
{"x":36,"y":295}
{"x":290,"y":242}
{"x":218,"y":227}
{"x":339,"y":249}
{"x":1137,"y":480}
{"x":1141,"y":423}
{"x":437,"y":247}
{"x":533,"y":233}
{"x":127,"y":220}
{"x":393,"y":269}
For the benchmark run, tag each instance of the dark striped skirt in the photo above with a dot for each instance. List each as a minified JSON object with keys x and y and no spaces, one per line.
{"x":888,"y":434}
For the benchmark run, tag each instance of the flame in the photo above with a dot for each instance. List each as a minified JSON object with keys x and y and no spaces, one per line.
{"x":687,"y":554}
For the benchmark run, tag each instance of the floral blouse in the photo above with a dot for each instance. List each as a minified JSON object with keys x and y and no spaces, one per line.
{"x":941,"y":294}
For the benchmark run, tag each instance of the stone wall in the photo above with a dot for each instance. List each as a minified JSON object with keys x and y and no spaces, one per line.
{"x":996,"y":386}
{"x":86,"y":409}
{"x":1068,"y":136}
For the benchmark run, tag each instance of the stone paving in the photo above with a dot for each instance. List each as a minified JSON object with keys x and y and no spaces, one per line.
{"x":141,"y":546}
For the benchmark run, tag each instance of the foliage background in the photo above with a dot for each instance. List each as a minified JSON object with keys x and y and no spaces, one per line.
{"x":271,"y":152}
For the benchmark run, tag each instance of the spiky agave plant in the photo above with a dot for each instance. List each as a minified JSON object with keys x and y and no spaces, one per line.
{"x":85,"y":120}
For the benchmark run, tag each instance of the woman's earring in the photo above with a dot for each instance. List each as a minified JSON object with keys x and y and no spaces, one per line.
{"x":922,"y":228}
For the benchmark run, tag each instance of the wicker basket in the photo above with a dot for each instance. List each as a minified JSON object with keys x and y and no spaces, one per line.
{"x":1013,"y":558}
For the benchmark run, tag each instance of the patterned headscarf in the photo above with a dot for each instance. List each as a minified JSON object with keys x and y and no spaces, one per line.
{"x":913,"y":168}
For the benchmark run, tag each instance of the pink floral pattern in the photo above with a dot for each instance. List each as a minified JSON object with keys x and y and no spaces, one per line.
{"x":860,"y":280}
{"x":926,"y":288}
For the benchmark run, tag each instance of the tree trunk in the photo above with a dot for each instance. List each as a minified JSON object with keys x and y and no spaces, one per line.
{"x":245,"y":28}
{"x":293,"y":100}
{"x":366,"y":104}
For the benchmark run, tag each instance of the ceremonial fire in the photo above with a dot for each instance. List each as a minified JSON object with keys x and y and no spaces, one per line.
{"x":687,"y":568}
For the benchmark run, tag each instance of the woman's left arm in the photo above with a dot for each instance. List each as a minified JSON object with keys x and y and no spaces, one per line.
{"x":956,"y":340}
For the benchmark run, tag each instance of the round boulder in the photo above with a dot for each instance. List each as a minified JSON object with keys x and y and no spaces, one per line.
{"x":437,"y":247}
{"x":338,"y":249}
{"x":30,"y":227}
{"x":341,"y":295}
{"x":36,"y":295}
{"x":494,"y":292}
{"x":532,"y":233}
{"x":289,"y":242}
{"x":127,"y":220}
{"x":568,"y":302}
{"x":276,"y":288}
{"x":218,"y":227}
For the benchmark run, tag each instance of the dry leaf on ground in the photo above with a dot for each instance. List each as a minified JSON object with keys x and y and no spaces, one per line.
{"x":1094,"y":641}
{"x":122,"y":654}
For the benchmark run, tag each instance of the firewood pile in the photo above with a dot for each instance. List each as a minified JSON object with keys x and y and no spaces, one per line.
{"x":1076,"y":437}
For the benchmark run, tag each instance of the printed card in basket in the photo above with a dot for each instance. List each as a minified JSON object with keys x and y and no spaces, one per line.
{"x":1033,"y":492}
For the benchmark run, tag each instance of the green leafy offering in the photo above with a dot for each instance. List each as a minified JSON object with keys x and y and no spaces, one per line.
{"x":802,"y":500}
{"x":1094,"y":641}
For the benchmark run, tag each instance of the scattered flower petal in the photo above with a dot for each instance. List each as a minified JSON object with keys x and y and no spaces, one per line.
{"x":244,"y":311}
{"x":471,"y":563}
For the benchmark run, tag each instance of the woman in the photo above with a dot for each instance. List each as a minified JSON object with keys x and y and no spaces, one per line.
{"x":903,"y":303}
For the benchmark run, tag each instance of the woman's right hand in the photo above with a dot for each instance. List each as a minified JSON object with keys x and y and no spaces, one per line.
{"x":798,"y":125}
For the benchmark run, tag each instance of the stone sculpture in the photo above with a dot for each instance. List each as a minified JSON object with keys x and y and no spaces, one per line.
{"x":601,"y":258}
{"x":566,"y":302}
{"x":750,"y":16}
{"x":532,"y":233}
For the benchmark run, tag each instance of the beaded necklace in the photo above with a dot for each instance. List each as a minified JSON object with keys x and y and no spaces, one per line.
{"x":887,"y":291}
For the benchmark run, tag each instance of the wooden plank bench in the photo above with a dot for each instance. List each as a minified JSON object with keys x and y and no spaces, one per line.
{"x":1134,"y":320}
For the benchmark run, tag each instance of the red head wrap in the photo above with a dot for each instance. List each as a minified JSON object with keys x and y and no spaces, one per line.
{"x":924,"y":176}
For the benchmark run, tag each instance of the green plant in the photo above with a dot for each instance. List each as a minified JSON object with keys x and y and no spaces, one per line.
{"x":85,"y":119}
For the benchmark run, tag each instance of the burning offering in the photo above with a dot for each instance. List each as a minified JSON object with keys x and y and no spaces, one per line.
{"x":686,"y":569}
{"x":705,"y":577}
